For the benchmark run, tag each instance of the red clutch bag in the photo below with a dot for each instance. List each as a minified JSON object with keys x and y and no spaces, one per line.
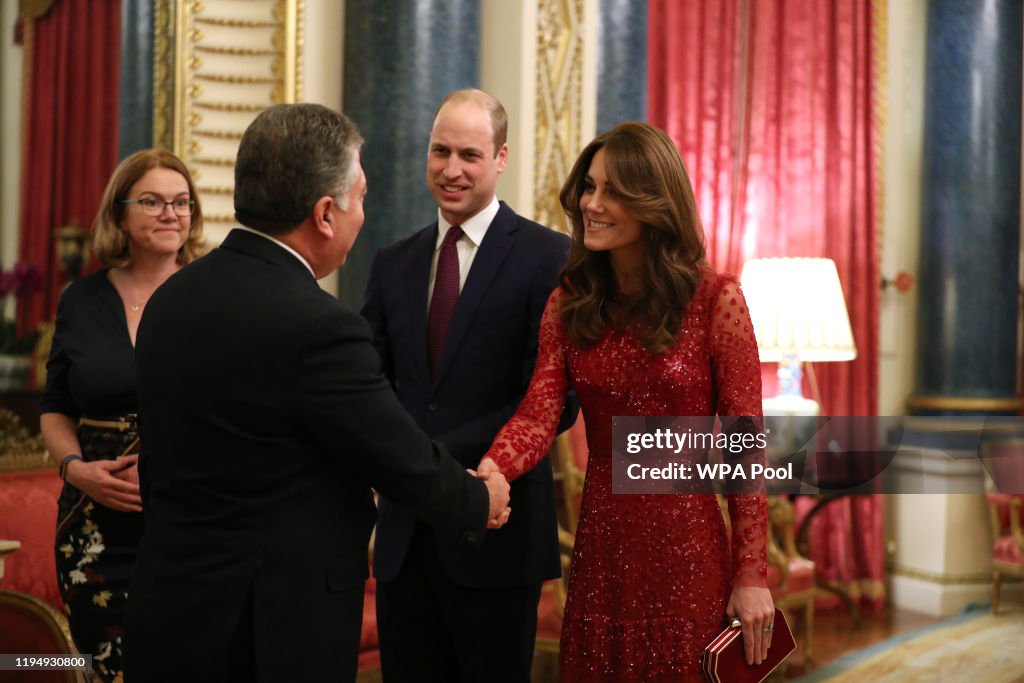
{"x":724,"y":661}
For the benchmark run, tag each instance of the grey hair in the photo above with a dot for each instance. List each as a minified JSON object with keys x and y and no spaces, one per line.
{"x":341,"y":194}
{"x":290,"y":156}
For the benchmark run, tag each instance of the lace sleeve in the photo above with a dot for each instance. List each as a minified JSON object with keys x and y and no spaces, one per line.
{"x":526,"y":438}
{"x":737,"y":376}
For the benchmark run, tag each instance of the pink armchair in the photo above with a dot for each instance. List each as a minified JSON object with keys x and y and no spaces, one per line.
{"x":1008,"y":546}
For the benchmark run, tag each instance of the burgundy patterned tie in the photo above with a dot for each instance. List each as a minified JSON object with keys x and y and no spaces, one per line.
{"x":446,"y":294}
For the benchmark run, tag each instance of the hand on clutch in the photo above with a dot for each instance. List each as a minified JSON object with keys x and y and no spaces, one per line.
{"x":754,"y":608}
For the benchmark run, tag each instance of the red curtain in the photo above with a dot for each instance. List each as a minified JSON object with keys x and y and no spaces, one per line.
{"x":70,"y":133}
{"x":695,"y":94}
{"x":772,"y":104}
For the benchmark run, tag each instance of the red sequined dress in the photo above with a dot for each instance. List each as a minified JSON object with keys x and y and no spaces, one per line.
{"x":651,"y":574}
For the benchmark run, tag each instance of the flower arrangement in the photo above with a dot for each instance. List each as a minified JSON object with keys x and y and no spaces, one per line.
{"x":22,"y":278}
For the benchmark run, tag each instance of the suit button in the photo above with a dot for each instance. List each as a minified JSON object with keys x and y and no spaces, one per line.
{"x":432,"y":406}
{"x":471,"y":536}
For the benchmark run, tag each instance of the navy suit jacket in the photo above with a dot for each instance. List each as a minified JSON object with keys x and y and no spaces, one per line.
{"x":484,"y":370}
{"x":265,"y":421}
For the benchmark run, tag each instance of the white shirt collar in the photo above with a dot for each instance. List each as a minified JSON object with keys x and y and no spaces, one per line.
{"x":475,"y":228}
{"x":281,"y":244}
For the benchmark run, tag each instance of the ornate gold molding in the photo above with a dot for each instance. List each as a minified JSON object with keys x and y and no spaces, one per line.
{"x":163,"y":66}
{"x":941,"y":578}
{"x":228,"y":78}
{"x":236,"y":51}
{"x":255,"y":107}
{"x":216,"y":66}
{"x":236,"y":23}
{"x":213,"y":161}
{"x":560,"y":36}
{"x":223,"y":134}
{"x":879,"y":114}
{"x":1002,"y":405}
{"x":224,"y":218}
{"x":43,"y":614}
{"x":228,"y":191}
{"x":18,"y":450}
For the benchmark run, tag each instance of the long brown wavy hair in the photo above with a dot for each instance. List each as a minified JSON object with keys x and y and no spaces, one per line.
{"x":647,"y":174}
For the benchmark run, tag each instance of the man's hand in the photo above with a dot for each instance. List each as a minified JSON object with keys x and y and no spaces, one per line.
{"x":488,"y":471}
{"x":497,"y":490}
{"x":108,"y":482}
{"x":500,"y":520}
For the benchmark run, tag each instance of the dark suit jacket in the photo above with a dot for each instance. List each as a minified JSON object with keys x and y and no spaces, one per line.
{"x":484,"y":371}
{"x":265,"y":420}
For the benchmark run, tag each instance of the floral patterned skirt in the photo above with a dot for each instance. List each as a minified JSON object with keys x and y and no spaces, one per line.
{"x":95,"y":550}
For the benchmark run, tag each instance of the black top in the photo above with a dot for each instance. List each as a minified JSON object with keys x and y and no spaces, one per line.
{"x":91,"y":370}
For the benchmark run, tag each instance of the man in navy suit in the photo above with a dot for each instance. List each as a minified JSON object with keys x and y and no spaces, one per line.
{"x":265,"y":421}
{"x":445,"y":613}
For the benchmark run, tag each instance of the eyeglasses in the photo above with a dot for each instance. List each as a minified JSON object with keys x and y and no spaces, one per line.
{"x":154,"y":206}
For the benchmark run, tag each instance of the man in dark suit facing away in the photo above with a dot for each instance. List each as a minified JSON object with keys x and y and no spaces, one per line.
{"x":455,"y":310}
{"x":265,"y":420}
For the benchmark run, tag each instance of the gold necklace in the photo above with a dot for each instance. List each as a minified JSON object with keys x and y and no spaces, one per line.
{"x":130,"y":283}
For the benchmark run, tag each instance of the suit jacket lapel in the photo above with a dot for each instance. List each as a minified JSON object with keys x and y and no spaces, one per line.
{"x":488,"y":260}
{"x":417,"y":280}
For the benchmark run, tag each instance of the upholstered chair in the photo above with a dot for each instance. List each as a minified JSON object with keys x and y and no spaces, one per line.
{"x":1008,"y":544}
{"x":30,"y":625}
{"x":790,"y":575}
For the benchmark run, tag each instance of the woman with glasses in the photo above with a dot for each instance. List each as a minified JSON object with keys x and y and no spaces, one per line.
{"x":149,"y":225}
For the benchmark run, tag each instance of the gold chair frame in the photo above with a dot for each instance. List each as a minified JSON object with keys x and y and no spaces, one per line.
{"x":55,"y":623}
{"x":1000,"y":569}
{"x":781,"y":549}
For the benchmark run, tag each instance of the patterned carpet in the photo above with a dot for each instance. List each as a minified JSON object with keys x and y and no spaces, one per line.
{"x":973,"y":647}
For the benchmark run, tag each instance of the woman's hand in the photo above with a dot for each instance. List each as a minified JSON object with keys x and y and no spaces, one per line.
{"x":114,"y":483}
{"x":130,"y":473}
{"x":485,"y":470}
{"x":486,"y":467}
{"x":754,"y":608}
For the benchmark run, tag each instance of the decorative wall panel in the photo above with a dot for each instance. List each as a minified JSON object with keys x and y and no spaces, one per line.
{"x":560,"y":41}
{"x":217,"y":64}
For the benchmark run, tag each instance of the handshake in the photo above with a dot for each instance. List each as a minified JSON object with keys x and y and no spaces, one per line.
{"x":497,"y":490}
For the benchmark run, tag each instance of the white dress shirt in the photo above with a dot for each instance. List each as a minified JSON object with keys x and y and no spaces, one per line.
{"x":280,"y":244}
{"x":474,"y":230}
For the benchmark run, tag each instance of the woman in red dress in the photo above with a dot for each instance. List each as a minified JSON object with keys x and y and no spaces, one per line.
{"x":641,"y":326}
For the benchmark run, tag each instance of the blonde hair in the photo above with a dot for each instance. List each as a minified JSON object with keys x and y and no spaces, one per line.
{"x":110,"y":240}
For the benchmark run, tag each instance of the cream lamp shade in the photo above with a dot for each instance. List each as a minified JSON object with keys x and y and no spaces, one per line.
{"x":799,"y":315}
{"x":798,"y":310}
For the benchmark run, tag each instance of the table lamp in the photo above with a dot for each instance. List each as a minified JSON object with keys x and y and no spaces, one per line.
{"x":799,"y":315}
